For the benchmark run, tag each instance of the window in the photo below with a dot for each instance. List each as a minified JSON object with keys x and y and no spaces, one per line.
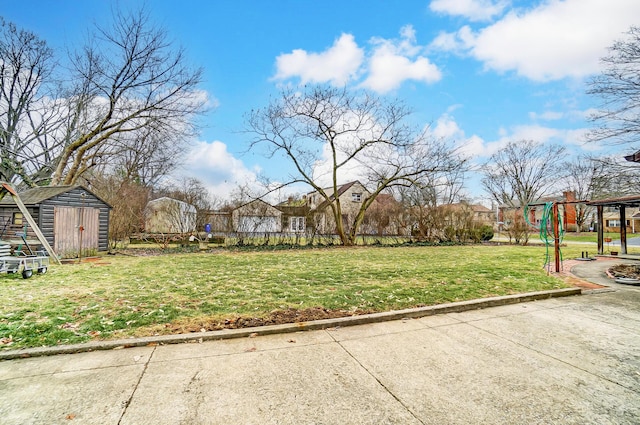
{"x":296,"y":224}
{"x":356,"y":197}
{"x":17,"y":218}
{"x":615,"y":223}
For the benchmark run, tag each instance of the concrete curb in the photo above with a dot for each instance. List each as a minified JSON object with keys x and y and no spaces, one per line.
{"x":412,"y":313}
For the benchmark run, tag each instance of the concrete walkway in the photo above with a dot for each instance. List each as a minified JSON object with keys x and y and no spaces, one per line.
{"x":572,"y":360}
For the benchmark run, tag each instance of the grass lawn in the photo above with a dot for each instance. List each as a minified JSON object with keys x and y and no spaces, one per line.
{"x":591,"y":236}
{"x":120,"y":296}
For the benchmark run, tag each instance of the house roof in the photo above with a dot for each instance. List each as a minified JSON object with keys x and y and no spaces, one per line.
{"x":568,"y":196}
{"x":385,"y":198}
{"x":269,"y":206}
{"x":293,"y":203}
{"x":37,"y":195}
{"x":634,"y":157}
{"x":474,"y":207}
{"x":167,"y":199}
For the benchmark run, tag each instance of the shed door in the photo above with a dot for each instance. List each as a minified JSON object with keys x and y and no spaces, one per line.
{"x":73,"y":226}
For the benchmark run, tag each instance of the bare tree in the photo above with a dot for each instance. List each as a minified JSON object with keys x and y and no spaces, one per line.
{"x":615,"y":177}
{"x":519,"y":174}
{"x":27,"y":113}
{"x":129,"y":79}
{"x":585,"y":176}
{"x":522,"y":172}
{"x":128,"y":200}
{"x":145,"y":157}
{"x":423,"y":204}
{"x":193,"y":192}
{"x":618,"y":88}
{"x":347,"y":132}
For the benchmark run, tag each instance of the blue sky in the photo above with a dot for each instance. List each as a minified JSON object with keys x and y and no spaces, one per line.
{"x":480,"y":72}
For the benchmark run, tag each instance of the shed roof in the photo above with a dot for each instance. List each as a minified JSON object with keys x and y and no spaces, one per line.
{"x":165,"y":199}
{"x":37,"y":195}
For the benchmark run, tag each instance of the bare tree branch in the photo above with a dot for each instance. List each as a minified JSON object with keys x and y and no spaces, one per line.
{"x":328,"y":134}
{"x":618,"y":88}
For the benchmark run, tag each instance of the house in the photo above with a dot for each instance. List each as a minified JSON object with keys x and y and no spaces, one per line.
{"x":611,"y":219}
{"x":351,"y":196}
{"x":256,"y":217}
{"x":381,"y":218}
{"x":72,"y":219}
{"x":168,"y":215}
{"x":295,"y":215}
{"x":536,"y":210}
{"x":479,"y":214}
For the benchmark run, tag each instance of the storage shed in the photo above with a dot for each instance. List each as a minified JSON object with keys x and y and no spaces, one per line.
{"x":71,"y":218}
{"x":168,"y":215}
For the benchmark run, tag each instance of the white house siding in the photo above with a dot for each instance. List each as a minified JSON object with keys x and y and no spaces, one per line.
{"x":257,"y":217}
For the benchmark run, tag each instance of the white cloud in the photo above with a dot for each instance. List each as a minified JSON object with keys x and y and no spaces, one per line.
{"x":457,"y":42}
{"x":565,"y":137}
{"x":555,"y":40}
{"x":395,"y":61}
{"x":474,"y":10}
{"x":389,"y":63}
{"x":476,"y":147}
{"x":447,"y":128}
{"x":337,"y":65}
{"x":472,"y":147}
{"x":547,"y":115}
{"x":217,"y":168}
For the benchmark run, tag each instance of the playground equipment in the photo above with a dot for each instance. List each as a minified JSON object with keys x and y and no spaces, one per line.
{"x":23,"y":262}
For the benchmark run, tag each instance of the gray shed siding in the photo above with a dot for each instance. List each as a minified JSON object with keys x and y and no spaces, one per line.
{"x":43,"y":214}
{"x":74,"y":198}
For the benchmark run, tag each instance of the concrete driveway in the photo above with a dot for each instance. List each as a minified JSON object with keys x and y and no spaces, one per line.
{"x":573,"y":360}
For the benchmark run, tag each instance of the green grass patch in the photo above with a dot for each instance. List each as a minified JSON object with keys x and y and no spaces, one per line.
{"x":120,"y":296}
{"x":590,"y":236}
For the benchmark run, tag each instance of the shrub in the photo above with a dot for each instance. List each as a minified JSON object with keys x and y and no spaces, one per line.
{"x":486,"y":232}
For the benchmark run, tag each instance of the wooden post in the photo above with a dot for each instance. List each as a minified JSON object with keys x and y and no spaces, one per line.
{"x":623,"y":230}
{"x":600,"y":226}
{"x":556,"y":236}
{"x":31,"y":221}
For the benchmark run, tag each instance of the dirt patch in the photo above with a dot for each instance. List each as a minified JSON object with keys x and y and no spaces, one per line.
{"x":629,"y":271}
{"x":276,"y":317}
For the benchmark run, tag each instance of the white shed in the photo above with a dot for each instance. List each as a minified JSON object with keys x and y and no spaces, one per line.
{"x":168,"y":215}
